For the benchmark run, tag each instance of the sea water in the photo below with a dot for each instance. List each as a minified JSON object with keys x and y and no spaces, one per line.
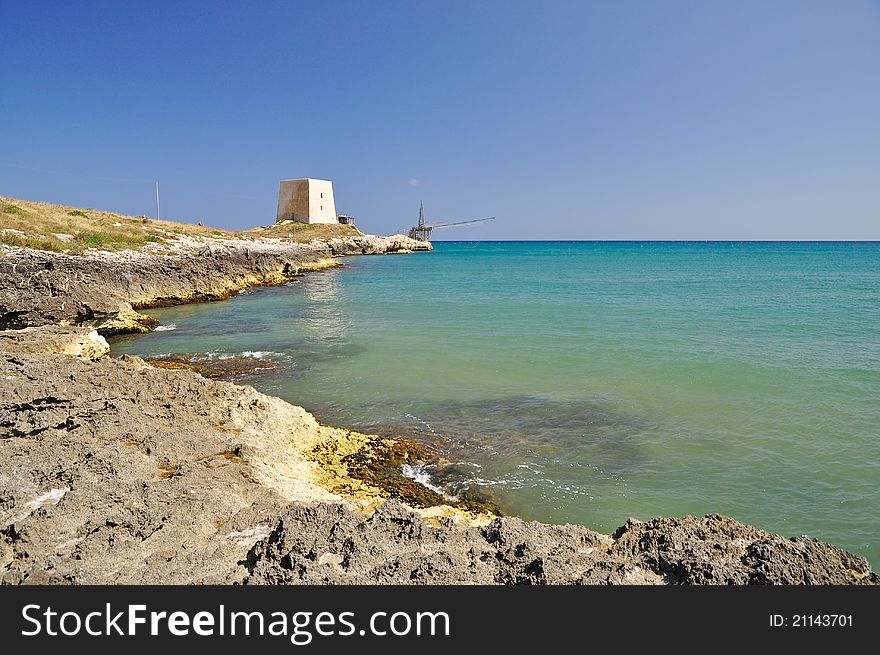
{"x":589,"y":382}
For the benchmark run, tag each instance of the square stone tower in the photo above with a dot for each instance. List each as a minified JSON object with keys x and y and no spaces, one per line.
{"x":306,"y":201}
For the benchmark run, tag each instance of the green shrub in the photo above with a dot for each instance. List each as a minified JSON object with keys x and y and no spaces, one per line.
{"x":77,"y":212}
{"x":13,"y":209}
{"x":113,"y":240}
{"x":95,"y":238}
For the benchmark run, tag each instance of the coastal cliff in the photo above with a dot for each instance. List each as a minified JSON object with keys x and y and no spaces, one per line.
{"x":104,"y":289}
{"x":113,"y":470}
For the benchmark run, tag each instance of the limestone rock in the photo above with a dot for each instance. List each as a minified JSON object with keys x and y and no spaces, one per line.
{"x":108,"y":466}
{"x":59,"y":339}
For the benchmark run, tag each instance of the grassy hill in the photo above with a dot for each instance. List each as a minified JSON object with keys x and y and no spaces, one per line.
{"x":74,"y":230}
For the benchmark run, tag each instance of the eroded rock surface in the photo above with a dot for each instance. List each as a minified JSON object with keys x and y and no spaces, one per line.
{"x":62,"y":340}
{"x":113,"y":471}
{"x":330,"y":544}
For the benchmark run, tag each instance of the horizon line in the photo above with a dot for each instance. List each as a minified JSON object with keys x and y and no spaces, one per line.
{"x":655,"y":241}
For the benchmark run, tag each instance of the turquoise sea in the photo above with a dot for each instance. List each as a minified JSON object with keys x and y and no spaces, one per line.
{"x":592,"y":381}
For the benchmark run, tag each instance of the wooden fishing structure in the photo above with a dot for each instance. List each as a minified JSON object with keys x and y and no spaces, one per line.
{"x":422,"y":231}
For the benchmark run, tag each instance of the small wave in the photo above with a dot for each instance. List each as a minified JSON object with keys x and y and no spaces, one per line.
{"x":212,"y":354}
{"x":422,"y":421}
{"x":418,"y":474}
{"x":251,"y":354}
{"x":165,"y":328}
{"x":259,"y":354}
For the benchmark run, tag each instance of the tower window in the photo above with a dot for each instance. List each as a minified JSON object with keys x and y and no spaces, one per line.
{"x":322,"y":194}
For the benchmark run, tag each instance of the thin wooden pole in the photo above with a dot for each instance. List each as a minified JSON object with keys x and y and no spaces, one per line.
{"x":157,"y":201}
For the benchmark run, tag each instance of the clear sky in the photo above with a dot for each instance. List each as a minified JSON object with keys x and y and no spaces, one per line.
{"x":572,"y":120}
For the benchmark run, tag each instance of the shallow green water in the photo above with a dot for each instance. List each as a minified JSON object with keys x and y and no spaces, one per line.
{"x":588,"y":382}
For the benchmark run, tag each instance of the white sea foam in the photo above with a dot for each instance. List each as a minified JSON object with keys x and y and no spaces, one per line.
{"x":165,"y":328}
{"x":418,"y":474}
{"x":253,"y":354}
{"x":213,"y":354}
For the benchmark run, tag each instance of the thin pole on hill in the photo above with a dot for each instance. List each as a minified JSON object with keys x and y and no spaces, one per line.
{"x":157,"y":200}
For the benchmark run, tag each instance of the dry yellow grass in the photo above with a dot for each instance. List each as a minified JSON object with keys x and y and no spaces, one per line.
{"x":303,"y":232}
{"x":74,"y":230}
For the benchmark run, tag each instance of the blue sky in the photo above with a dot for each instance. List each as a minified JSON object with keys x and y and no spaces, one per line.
{"x":569,"y":120}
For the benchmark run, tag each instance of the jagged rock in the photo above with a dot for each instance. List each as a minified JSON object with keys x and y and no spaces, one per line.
{"x":720,"y":550}
{"x":330,"y":544}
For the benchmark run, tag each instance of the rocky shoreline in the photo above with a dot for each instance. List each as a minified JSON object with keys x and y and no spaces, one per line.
{"x":104,"y":289}
{"x":116,"y":471}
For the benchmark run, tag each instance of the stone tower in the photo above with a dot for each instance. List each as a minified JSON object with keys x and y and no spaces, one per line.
{"x":306,"y":201}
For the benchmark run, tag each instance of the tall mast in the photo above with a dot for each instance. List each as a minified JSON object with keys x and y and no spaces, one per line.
{"x":421,"y":214}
